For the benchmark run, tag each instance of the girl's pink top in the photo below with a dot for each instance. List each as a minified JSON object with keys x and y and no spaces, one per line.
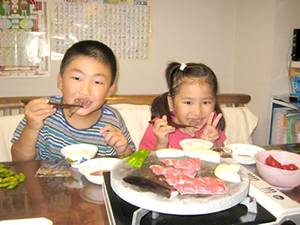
{"x":149,"y":140}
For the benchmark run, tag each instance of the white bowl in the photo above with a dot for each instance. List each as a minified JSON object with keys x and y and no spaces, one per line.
{"x":79,"y":153}
{"x":92,"y":193}
{"x":97,"y":165}
{"x":75,"y":180}
{"x":195,"y":143}
{"x":243,"y":153}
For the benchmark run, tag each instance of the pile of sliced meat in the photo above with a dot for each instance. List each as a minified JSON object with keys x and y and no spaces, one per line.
{"x":181,"y":175}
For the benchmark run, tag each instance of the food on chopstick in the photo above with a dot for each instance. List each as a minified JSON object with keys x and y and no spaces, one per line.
{"x":228,"y":172}
{"x":137,"y":159}
{"x":204,"y":154}
{"x":78,"y":104}
{"x":9,"y":179}
{"x":151,"y":185}
{"x":190,"y":130}
{"x":271,"y":161}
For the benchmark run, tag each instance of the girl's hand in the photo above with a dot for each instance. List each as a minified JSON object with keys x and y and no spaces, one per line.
{"x":116,"y":139}
{"x":161,"y":130}
{"x":36,"y":111}
{"x":210,"y":132}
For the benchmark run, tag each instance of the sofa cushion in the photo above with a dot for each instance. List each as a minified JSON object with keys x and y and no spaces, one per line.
{"x":8,"y":124}
{"x":136,"y":118}
{"x":240,"y":124}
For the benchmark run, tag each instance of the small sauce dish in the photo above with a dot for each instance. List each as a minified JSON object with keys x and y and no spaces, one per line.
{"x":243,"y":153}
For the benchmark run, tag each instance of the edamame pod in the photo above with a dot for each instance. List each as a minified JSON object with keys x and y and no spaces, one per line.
{"x":22,"y":177}
{"x":9,"y":178}
{"x":4,"y":185}
{"x":12,"y":186}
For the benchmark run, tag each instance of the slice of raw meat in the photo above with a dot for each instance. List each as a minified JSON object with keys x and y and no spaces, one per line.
{"x":206,"y":185}
{"x":179,"y":179}
{"x":162,"y":170}
{"x":189,"y":163}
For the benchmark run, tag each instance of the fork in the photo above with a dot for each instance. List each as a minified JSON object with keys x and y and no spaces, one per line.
{"x":176,"y":125}
{"x":55,"y":105}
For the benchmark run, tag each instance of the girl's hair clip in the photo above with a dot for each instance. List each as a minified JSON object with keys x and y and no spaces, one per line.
{"x":183,"y":65}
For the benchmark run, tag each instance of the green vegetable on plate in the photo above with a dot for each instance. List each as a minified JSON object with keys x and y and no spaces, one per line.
{"x":137,"y":159}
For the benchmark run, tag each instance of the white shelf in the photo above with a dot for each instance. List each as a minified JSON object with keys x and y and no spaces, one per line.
{"x":295,"y":64}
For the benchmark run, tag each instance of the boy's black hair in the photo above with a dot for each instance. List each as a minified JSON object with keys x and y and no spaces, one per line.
{"x":94,"y":49}
{"x":174,"y":75}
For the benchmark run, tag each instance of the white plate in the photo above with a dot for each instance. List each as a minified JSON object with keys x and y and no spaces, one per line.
{"x":97,"y":164}
{"x":243,"y":153}
{"x":31,"y":221}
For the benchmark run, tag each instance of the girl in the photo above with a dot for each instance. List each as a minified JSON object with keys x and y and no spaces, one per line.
{"x":191,"y":100}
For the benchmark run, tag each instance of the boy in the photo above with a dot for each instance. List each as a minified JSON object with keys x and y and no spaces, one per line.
{"x":87,"y":74}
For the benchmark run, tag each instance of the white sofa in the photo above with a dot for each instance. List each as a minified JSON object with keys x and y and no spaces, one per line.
{"x":240,"y":124}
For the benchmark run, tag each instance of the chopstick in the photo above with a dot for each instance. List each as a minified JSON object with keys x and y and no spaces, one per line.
{"x":176,"y":125}
{"x":55,"y":105}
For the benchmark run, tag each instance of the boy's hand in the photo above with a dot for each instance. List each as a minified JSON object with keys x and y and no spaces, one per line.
{"x":211,"y":133}
{"x":161,"y":130}
{"x":116,"y":139}
{"x":36,"y":111}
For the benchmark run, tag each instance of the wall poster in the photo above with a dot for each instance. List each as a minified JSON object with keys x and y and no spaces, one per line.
{"x":123,"y":25}
{"x":24,"y":48}
{"x":31,"y":29}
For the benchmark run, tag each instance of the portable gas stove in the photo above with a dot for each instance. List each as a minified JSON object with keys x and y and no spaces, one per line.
{"x":252,"y":201}
{"x":264,"y":205}
{"x":285,"y":209}
{"x":121,"y":212}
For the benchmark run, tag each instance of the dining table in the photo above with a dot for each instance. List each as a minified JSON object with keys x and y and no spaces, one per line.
{"x":70,"y":200}
{"x":62,"y":200}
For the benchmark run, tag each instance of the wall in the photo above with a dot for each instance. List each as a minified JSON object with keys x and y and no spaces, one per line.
{"x":201,"y":31}
{"x":262,"y":48}
{"x":244,"y":41}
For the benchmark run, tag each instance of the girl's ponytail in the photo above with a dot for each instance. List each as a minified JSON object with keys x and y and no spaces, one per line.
{"x":160,"y":107}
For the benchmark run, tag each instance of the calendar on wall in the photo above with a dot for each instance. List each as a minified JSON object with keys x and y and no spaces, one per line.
{"x":34,"y":32}
{"x":24,"y":45}
{"x":123,"y":25}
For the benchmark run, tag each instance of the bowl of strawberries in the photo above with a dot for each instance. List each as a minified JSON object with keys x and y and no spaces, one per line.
{"x":279,"y":168}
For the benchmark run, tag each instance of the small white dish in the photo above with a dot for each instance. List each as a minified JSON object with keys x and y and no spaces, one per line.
{"x":93,"y":169}
{"x":78,"y":153}
{"x":243,"y":153}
